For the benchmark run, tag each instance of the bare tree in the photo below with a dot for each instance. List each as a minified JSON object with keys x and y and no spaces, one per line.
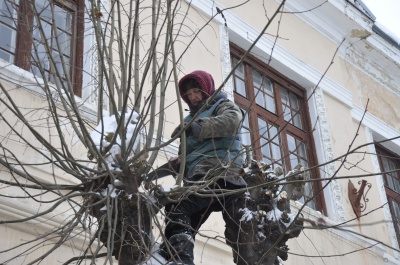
{"x":93,"y":168}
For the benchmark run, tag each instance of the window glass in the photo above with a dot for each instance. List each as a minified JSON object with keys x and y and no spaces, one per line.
{"x":269,"y":142}
{"x":238,"y":77}
{"x":45,"y":33}
{"x":246,"y":139}
{"x":291,"y":108}
{"x":263,"y":92}
{"x":273,"y":101}
{"x":8,"y":16}
{"x":56,"y":37}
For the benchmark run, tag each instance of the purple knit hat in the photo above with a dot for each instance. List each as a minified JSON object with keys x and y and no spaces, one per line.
{"x":204,"y":79}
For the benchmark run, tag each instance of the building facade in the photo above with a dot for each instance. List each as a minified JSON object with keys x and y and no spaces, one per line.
{"x":319,"y":87}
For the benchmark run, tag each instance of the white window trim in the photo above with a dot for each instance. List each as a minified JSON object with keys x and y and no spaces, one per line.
{"x":381,"y":189}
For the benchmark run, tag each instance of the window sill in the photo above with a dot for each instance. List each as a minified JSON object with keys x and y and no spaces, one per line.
{"x":26,"y":80}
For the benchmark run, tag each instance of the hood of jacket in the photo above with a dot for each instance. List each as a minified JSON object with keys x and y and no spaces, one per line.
{"x":205,"y":81}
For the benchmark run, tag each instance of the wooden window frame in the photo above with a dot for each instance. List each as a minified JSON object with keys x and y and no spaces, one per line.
{"x":390,"y":193}
{"x":249,"y":104}
{"x":24,"y":39}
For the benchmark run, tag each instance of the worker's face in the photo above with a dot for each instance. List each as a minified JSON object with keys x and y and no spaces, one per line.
{"x":194,"y":95}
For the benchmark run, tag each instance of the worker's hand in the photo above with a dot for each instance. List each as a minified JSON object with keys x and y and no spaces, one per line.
{"x":193,"y":130}
{"x":177,"y":130}
{"x":175,"y":164}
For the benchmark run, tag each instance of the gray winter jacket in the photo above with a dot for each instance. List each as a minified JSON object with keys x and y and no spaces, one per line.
{"x":221,"y":126}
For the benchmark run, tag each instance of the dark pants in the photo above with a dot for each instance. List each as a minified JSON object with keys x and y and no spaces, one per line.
{"x":185,"y":218}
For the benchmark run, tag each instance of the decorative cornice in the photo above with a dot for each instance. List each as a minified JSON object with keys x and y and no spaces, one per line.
{"x":352,"y":12}
{"x":363,"y":48}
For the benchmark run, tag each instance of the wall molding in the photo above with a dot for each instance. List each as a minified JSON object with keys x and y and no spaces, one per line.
{"x":226,"y":60}
{"x":356,"y":49}
{"x":15,"y":209}
{"x":336,"y":198}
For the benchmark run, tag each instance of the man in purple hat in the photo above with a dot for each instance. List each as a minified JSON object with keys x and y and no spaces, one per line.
{"x":213,"y":159}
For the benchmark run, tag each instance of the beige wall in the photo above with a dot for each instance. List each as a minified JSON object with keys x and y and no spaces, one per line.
{"x":310,"y":47}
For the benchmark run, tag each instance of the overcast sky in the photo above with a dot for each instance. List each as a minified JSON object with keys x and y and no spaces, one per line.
{"x":387,"y":12}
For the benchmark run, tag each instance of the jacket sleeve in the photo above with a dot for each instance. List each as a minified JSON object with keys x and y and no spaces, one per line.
{"x":226,"y":121}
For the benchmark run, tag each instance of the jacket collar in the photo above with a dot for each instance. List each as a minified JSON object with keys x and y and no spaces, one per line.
{"x":220,"y":95}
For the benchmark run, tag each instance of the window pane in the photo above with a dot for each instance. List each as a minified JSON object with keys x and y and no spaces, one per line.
{"x":303,"y":162}
{"x":284,"y":96}
{"x":297,"y":121}
{"x":246,"y":139}
{"x":276,"y":153}
{"x":7,"y":39}
{"x":8,"y":13}
{"x":6,"y":56}
{"x":8,"y":16}
{"x":396,"y":209}
{"x":287,"y":116}
{"x":267,"y":85}
{"x":259,"y":97}
{"x":58,"y":41}
{"x":301,"y":148}
{"x":271,"y":104}
{"x":262,"y":126}
{"x":293,"y":161}
{"x":64,"y":41}
{"x":42,"y":27}
{"x":273,"y":131}
{"x":396,"y":185}
{"x":263,"y":92}
{"x":265,"y":147}
{"x":257,"y":79}
{"x":57,"y":61}
{"x":240,"y":87}
{"x":62,"y":19}
{"x":291,"y":108}
{"x":239,"y":77}
{"x":391,"y":165}
{"x":239,"y":71}
{"x":246,"y":120}
{"x":294,"y":102}
{"x":390,"y":182}
{"x":43,"y":7}
{"x":308,"y":194}
{"x":269,"y":95}
{"x":291,"y":143}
